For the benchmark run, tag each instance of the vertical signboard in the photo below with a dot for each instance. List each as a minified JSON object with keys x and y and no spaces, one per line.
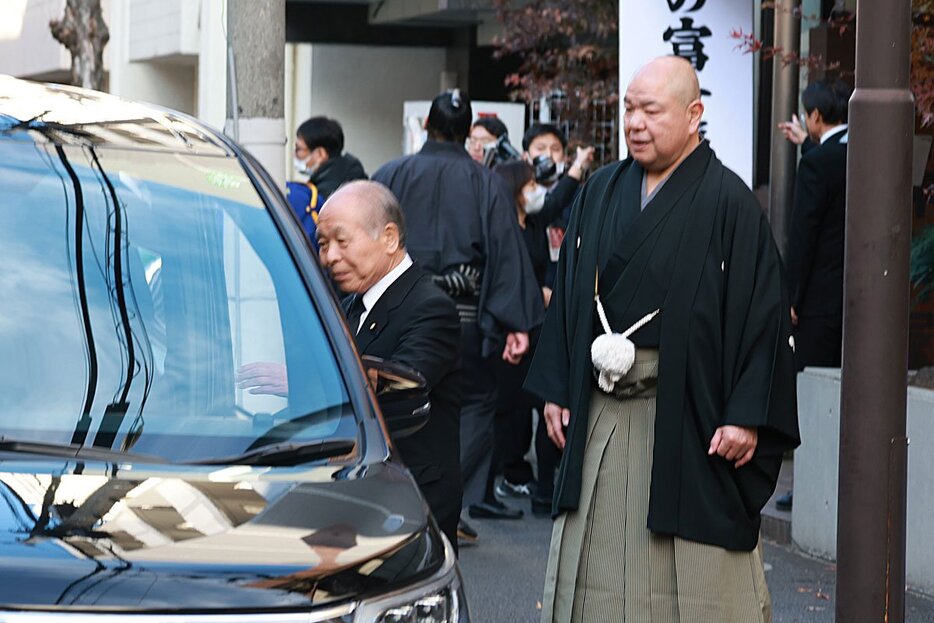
{"x":699,"y":31}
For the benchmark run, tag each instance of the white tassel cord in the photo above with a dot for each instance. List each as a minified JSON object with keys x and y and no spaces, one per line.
{"x":606,"y":324}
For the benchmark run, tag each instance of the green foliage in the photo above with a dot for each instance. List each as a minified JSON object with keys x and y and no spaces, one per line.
{"x":922,"y":263}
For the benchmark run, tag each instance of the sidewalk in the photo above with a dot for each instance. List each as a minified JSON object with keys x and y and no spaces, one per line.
{"x":803,"y":589}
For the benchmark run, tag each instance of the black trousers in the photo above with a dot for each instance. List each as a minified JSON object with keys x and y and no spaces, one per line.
{"x":819,"y":341}
{"x":477,"y":414}
{"x":548,"y":456}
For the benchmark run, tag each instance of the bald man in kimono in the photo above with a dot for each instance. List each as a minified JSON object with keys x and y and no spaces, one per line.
{"x":664,"y":475}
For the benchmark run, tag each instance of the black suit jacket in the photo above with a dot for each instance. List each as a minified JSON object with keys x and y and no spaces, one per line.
{"x":815,"y":242}
{"x":416,"y":324}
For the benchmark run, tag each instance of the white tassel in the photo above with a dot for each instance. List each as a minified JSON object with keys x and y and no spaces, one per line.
{"x":614,"y":353}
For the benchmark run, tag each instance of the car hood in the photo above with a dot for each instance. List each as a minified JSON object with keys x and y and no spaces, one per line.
{"x":161,"y":539}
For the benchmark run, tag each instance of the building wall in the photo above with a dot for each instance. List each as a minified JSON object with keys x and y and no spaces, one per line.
{"x":814,"y":514}
{"x":363,"y":87}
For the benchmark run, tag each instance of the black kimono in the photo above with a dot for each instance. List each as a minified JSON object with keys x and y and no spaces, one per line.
{"x":702,"y":251}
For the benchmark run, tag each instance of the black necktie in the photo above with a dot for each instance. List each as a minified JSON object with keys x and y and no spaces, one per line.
{"x":356,"y":311}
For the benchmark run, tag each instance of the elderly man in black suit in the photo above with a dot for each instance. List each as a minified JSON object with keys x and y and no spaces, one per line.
{"x":814,"y":259}
{"x":399,"y":315}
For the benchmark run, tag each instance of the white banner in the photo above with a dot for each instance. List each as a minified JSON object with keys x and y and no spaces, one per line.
{"x":698,"y":30}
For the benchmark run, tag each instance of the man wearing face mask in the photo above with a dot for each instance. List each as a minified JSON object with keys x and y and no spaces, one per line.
{"x":319,"y":144}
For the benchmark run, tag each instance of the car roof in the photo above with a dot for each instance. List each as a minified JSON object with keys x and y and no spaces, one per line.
{"x":70,"y":115}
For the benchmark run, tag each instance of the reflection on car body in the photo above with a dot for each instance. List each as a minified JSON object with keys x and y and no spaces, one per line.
{"x":147,"y":260}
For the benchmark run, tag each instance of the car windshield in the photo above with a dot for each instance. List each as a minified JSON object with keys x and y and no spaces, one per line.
{"x":149,"y":305}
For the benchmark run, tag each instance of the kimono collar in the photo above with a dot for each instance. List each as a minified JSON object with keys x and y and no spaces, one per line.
{"x":442,"y":148}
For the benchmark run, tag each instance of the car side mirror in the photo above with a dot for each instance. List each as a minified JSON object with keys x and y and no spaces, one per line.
{"x":402,"y":394}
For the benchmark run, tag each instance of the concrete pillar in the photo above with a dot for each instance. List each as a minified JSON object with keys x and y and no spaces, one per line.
{"x":256,"y":47}
{"x":784,"y":105}
{"x":212,"y":64}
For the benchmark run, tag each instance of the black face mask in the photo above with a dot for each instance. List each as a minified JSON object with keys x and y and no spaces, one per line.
{"x":546,"y":171}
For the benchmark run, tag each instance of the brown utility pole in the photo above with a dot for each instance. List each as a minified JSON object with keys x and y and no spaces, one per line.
{"x":784,"y":158}
{"x":873,"y":446}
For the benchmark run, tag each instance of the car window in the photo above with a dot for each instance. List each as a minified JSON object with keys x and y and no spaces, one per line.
{"x":148,"y":303}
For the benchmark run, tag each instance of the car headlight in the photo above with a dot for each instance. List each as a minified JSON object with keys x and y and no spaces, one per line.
{"x":440,"y":599}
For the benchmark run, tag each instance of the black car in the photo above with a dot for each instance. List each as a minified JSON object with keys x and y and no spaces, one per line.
{"x":186,"y":430}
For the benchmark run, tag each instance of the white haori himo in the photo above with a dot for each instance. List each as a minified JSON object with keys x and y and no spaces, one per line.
{"x":614,"y":353}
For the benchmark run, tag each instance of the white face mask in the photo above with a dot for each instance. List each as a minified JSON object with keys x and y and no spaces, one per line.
{"x":301,"y":166}
{"x":534,"y":199}
{"x":560,"y":167}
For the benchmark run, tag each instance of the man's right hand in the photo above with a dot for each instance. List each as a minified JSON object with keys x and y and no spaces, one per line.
{"x":557,"y":419}
{"x":793,"y":131}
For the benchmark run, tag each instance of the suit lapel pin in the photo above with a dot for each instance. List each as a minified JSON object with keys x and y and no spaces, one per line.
{"x":373,"y":327}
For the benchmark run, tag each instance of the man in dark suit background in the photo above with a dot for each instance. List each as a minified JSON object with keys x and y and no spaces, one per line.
{"x":399,"y":315}
{"x":814,"y":260}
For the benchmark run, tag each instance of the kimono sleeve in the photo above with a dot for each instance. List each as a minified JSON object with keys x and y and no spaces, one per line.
{"x":550,"y":371}
{"x":758,"y":355}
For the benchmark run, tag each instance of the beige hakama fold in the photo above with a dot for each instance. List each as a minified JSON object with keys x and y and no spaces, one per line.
{"x":605,"y":566}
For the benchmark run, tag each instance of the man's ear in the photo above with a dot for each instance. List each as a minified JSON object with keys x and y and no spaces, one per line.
{"x":320,"y":153}
{"x":695,"y":114}
{"x":391,"y":237}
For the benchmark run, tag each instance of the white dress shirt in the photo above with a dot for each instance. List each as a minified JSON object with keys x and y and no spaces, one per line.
{"x":832,"y":132}
{"x":372,"y":295}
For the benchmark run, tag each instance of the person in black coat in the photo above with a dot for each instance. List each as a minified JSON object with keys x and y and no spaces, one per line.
{"x":399,"y":315}
{"x":814,"y":260}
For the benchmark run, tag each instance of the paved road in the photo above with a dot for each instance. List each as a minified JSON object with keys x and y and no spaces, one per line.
{"x":505,"y":571}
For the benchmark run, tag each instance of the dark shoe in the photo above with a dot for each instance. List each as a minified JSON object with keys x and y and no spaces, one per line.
{"x":493,"y":510}
{"x":465,"y":532}
{"x":506,"y":489}
{"x":783,"y":503}
{"x":541,"y":507}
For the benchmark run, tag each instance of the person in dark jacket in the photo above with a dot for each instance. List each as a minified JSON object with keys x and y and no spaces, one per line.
{"x":463,"y":230}
{"x":398,"y":314}
{"x":814,"y":260}
{"x":535,"y":211}
{"x":545,"y":148}
{"x":815,"y":241}
{"x":319,"y":147}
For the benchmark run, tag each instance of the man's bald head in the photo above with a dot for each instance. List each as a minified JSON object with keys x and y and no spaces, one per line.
{"x":662,"y":114}
{"x":373,"y":202}
{"x":675,"y":74}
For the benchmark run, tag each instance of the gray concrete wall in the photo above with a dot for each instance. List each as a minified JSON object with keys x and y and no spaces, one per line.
{"x":814,"y":515}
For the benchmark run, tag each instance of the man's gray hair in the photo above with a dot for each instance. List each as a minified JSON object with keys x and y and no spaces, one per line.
{"x":383,"y":205}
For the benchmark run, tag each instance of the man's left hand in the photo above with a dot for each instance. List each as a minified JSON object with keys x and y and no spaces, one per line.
{"x":734,"y":443}
{"x":517,"y":345}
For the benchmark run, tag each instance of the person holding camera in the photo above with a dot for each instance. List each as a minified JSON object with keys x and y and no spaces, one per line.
{"x":545,"y":148}
{"x":488,"y":142}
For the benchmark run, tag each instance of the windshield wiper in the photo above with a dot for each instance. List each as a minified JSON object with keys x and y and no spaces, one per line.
{"x":289,"y":453}
{"x":73,"y":451}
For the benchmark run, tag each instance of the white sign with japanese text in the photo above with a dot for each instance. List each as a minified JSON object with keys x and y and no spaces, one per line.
{"x":698,"y":30}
